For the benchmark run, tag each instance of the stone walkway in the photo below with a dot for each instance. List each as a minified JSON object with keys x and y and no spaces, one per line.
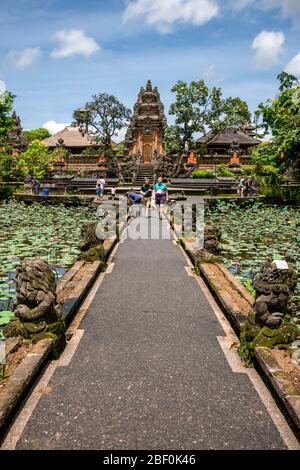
{"x":149,"y":372}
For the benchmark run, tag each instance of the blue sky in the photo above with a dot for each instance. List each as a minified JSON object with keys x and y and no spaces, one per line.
{"x":54,"y":54}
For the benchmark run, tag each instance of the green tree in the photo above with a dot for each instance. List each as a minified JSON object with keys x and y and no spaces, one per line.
{"x":9,"y":167}
{"x":120,"y":150}
{"x":198,"y":108}
{"x":36,"y":161}
{"x":102,"y":117}
{"x":6,"y":121}
{"x":36,"y":134}
{"x":60,"y":153}
{"x":280,"y":118}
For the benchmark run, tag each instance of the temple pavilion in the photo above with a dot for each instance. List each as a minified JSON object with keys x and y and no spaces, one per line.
{"x":219,"y":146}
{"x":84,"y":153}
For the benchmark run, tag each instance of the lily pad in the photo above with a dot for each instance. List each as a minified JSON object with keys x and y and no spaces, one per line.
{"x":254,"y":233}
{"x":51,"y":233}
{"x":5,"y":317}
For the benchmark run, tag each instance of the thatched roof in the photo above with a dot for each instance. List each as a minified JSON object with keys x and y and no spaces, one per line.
{"x":72,"y":138}
{"x":226,"y":138}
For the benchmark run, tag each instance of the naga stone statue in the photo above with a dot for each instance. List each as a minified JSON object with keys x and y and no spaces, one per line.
{"x":273,"y":288}
{"x":91,"y":246}
{"x":270,"y":323}
{"x":37,"y":315}
{"x":212,"y":245}
{"x":89,"y":237}
{"x":212,"y":239}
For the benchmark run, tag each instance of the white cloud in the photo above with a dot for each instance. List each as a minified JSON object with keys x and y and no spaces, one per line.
{"x":54,"y":127}
{"x":24,"y":58}
{"x":289,"y":8}
{"x":165,"y":14}
{"x":73,"y":42}
{"x":2,"y":90}
{"x":238,"y":5}
{"x":121,"y":135}
{"x":211,"y":75}
{"x":293,"y":67}
{"x":268,"y":46}
{"x":2,"y":86}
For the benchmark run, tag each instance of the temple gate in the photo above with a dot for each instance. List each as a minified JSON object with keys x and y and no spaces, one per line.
{"x":145,"y":133}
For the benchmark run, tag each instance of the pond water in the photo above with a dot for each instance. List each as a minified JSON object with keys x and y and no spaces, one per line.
{"x":250,"y":235}
{"x":37,"y":231}
{"x":254,"y":233}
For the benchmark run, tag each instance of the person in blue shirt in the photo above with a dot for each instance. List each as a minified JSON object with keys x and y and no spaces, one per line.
{"x":134,"y":197}
{"x":160,"y":194}
{"x":36,"y":185}
{"x":136,"y":200}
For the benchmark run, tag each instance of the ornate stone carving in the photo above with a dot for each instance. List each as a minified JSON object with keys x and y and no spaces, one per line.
{"x":89,"y":236}
{"x":148,"y":119}
{"x":273,"y":289}
{"x":91,"y":245}
{"x":270,"y":322}
{"x":172,"y":166}
{"x":37,"y":315}
{"x":212,"y":246}
{"x":16,"y":134}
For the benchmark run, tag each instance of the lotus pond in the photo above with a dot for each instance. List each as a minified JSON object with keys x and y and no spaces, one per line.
{"x":253,"y":233}
{"x":48,"y":232}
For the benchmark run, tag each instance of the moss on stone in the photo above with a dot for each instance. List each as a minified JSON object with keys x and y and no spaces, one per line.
{"x":285,"y":334}
{"x":203,"y":256}
{"x":269,"y":332}
{"x":15,"y":328}
{"x":33,"y":328}
{"x":58,"y":341}
{"x":252,"y":336}
{"x":57,"y":328}
{"x":246,"y":349}
{"x":93,"y":254}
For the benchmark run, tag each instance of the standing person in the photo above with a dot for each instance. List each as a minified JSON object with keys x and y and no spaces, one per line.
{"x":36,"y":186}
{"x":100,"y":185}
{"x":248,"y":190}
{"x":146,"y":191}
{"x":242,"y":187}
{"x":113,"y":193}
{"x":99,"y":191}
{"x":160,"y":194}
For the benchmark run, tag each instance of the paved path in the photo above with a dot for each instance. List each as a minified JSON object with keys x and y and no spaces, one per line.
{"x":149,"y":372}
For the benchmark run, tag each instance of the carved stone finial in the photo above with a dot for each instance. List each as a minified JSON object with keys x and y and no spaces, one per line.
{"x":16,"y":134}
{"x":149,"y":86}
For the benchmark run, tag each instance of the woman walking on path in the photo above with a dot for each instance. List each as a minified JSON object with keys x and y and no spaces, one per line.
{"x":160,"y":194}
